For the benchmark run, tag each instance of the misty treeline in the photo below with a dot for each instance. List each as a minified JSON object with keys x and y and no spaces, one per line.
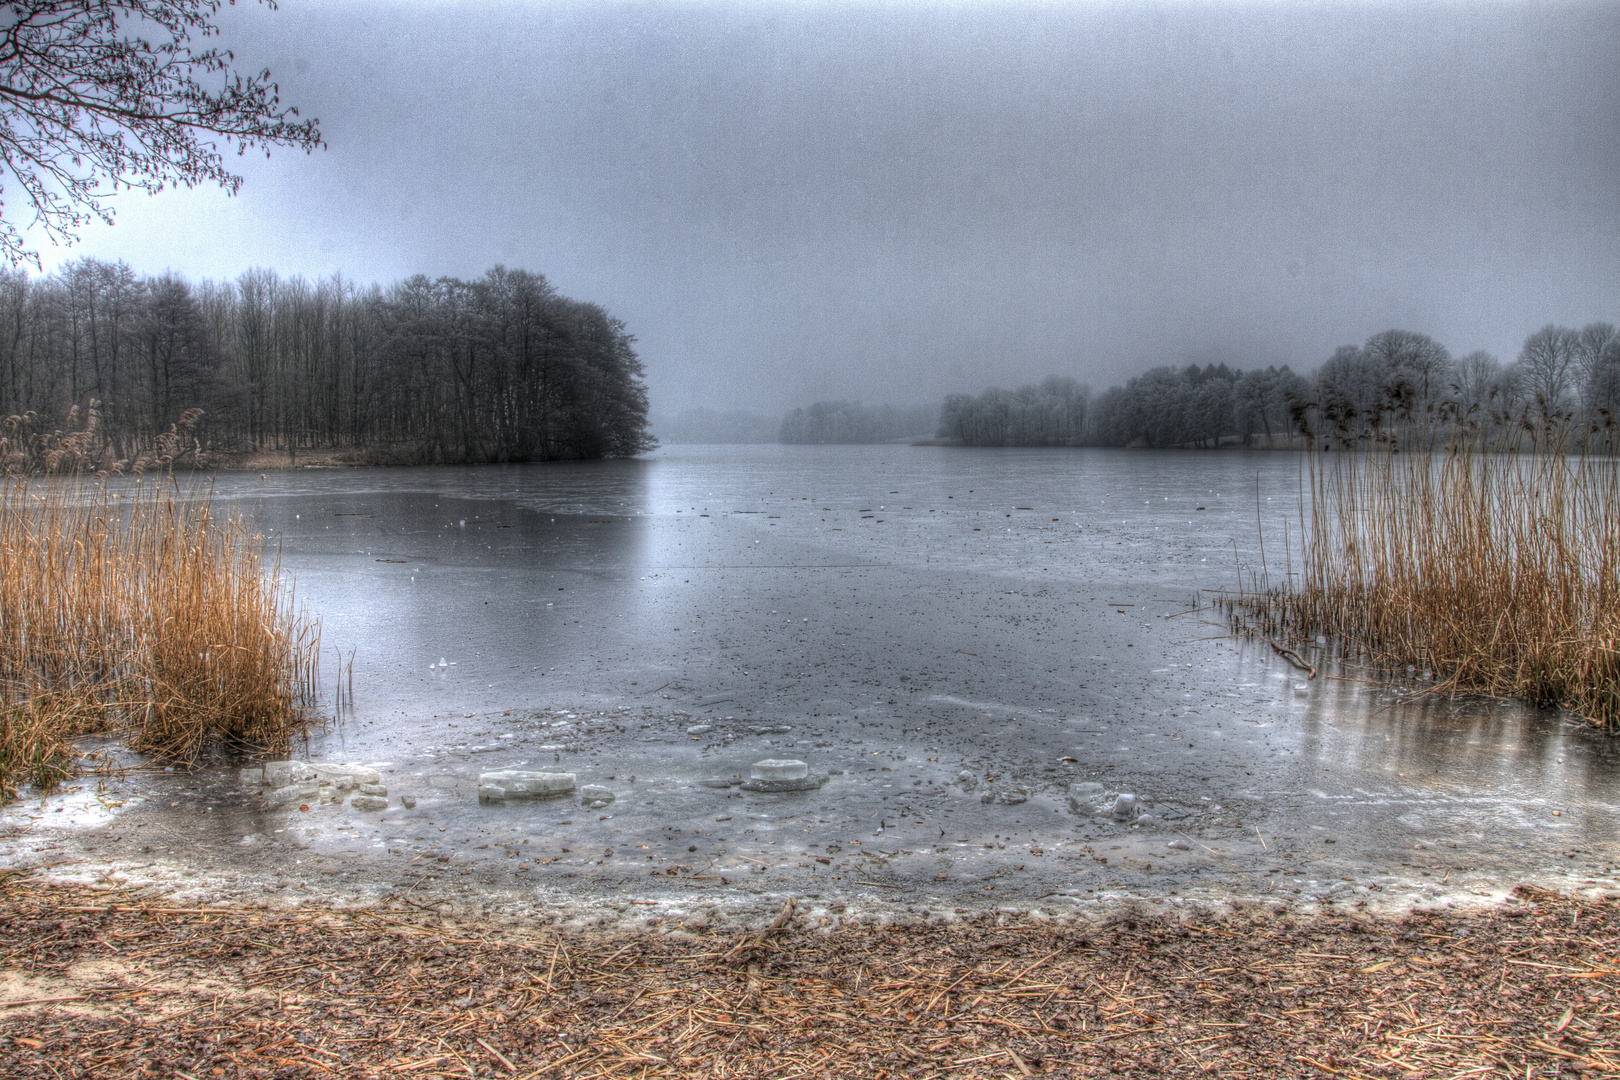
{"x":852,"y":422}
{"x":1051,"y":414}
{"x":501,"y":368}
{"x":1563,"y":377}
{"x":1166,"y":406}
{"x":701,"y":425}
{"x":1562,"y":374}
{"x":823,"y":422}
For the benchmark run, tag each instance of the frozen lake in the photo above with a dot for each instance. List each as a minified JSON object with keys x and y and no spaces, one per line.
{"x":933,"y":627}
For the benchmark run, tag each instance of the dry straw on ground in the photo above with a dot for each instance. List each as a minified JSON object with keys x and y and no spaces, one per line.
{"x":1488,"y":569}
{"x":102,"y":985}
{"x":133,"y":609}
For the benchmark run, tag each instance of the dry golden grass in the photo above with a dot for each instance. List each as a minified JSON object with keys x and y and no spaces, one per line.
{"x":1489,"y":571}
{"x":1523,"y":989}
{"x":134,"y":610}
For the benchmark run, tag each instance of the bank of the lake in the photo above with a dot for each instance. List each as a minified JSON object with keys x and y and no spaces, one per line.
{"x":97,"y":983}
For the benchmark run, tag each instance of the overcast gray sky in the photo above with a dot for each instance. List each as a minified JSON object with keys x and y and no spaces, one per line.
{"x":889,"y":202}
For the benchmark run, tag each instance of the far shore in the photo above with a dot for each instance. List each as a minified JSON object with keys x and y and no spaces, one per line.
{"x":266,"y":461}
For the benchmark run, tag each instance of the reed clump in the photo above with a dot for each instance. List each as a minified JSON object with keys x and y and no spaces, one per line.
{"x":128,"y":608}
{"x":1483,"y":556}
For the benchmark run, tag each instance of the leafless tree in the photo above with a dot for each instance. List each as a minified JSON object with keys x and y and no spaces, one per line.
{"x":1548,"y":365}
{"x":1481,"y":382}
{"x":98,"y":96}
{"x":1050,"y":414}
{"x":1417,"y":358}
{"x":1597,"y":348}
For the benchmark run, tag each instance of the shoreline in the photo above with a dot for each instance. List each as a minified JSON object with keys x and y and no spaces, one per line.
{"x":101,"y":983}
{"x":281,"y":461}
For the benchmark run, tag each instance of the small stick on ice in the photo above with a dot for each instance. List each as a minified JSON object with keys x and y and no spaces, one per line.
{"x":1293,"y":658}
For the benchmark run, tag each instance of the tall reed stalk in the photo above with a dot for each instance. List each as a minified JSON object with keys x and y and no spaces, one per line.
{"x":135,"y":611}
{"x":1497,"y":571}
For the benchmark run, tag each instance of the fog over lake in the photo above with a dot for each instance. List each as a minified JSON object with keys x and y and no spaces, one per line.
{"x":893,"y":202}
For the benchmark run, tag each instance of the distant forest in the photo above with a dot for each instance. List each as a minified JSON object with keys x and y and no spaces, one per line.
{"x":1570,"y":376}
{"x":717,"y":426}
{"x":1563,"y":373}
{"x":823,"y":422}
{"x":852,"y":422}
{"x":1198,"y":407}
{"x":1051,"y":414}
{"x":502,"y":368}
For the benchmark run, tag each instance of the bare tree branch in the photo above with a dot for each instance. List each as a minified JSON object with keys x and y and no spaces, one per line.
{"x":98,"y":96}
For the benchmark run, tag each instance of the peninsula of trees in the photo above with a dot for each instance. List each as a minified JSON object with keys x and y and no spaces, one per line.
{"x":501,"y":368}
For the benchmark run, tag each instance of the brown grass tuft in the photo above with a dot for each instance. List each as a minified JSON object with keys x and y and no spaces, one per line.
{"x":1489,"y":571}
{"x":138,"y":611}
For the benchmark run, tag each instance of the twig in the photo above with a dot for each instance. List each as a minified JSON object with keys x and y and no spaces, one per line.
{"x":1293,"y":658}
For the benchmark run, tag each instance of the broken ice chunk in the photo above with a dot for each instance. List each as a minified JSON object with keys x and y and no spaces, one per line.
{"x":1084,"y":796}
{"x":779,"y":769}
{"x":344,"y":777}
{"x":595,"y":796}
{"x":291,"y":793}
{"x":510,"y":784}
{"x":278,"y":774}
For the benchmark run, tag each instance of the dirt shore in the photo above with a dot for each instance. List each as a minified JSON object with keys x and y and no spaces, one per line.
{"x":279,"y":460}
{"x":98,"y":984}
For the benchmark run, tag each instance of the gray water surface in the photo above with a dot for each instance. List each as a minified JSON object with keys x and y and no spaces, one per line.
{"x":931,"y":626}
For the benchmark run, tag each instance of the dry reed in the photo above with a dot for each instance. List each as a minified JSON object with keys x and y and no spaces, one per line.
{"x":138,"y":611}
{"x":1488,"y":569}
{"x":1519,"y":990}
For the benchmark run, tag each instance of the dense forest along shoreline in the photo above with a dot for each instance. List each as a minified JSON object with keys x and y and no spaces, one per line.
{"x":97,"y":363}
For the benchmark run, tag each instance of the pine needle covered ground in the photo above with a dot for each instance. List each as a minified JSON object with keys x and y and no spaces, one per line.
{"x":95,"y":984}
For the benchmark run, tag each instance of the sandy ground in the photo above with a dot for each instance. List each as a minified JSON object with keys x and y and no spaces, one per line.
{"x":96,"y":983}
